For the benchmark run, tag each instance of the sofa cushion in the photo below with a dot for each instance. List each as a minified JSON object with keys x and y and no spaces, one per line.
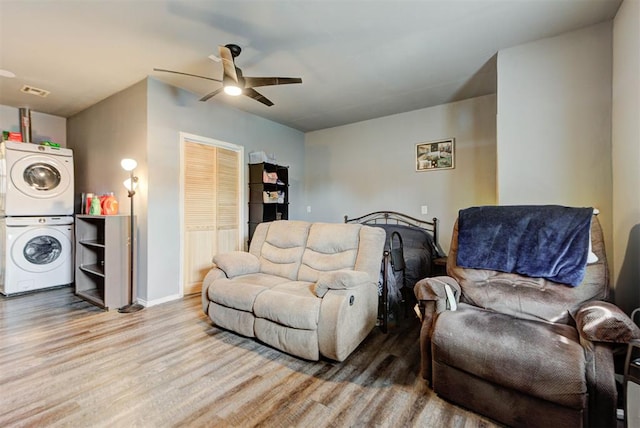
{"x":281,"y":251}
{"x":236,"y":296}
{"x":232,"y":319}
{"x":536,"y":358}
{"x":292,"y":304}
{"x":303,"y":343}
{"x":240,"y":292}
{"x":330,"y":247}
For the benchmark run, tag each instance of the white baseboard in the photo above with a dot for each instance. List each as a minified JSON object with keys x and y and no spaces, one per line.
{"x":154,"y":302}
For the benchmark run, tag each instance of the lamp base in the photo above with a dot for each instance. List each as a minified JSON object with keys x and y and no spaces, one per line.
{"x":133,"y":307}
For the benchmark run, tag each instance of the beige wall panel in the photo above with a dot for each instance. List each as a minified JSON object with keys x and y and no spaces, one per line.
{"x":228,"y":240}
{"x":199,"y":247}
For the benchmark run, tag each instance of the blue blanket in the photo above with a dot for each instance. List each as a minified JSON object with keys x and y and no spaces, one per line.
{"x":540,"y":241}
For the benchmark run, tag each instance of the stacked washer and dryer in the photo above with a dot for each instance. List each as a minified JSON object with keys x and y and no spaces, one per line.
{"x":36,"y":217}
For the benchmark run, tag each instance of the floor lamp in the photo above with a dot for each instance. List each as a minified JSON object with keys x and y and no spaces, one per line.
{"x":131,"y":184}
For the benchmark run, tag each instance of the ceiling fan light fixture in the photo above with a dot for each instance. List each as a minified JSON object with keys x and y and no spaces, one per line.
{"x":233,"y":82}
{"x":232,"y":90}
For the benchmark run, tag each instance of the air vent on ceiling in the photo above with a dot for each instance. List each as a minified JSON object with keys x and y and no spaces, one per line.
{"x":34,"y":91}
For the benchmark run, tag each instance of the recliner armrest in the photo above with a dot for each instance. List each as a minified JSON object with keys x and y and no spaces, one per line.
{"x":599,"y":321}
{"x":235,"y":263}
{"x":339,"y":280}
{"x":432,"y":296}
{"x":434,"y":289}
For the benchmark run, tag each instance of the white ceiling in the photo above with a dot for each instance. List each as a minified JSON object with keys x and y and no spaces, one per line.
{"x":358,"y":59}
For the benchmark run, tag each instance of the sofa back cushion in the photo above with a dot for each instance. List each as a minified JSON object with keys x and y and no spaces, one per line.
{"x":279,"y":246}
{"x":330,"y":247}
{"x":370,"y":251}
{"x":531,"y":298}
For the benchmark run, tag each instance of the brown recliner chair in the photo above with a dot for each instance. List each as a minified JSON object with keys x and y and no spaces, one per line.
{"x":523,"y":351}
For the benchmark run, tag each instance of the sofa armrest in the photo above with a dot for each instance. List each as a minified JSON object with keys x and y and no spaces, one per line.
{"x":599,"y":321}
{"x":346,"y":318}
{"x":209,"y":278}
{"x":235,"y":263}
{"x":339,"y":280}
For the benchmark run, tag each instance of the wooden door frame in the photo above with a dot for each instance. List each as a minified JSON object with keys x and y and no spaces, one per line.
{"x":184,"y":138}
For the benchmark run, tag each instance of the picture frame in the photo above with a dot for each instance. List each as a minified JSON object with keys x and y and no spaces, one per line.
{"x":436,"y":155}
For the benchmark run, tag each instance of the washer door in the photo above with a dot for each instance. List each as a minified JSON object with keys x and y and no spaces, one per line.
{"x":40,"y":176}
{"x":41,"y":249}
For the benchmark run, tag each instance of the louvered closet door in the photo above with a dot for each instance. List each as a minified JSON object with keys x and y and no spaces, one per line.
{"x":211,"y":209}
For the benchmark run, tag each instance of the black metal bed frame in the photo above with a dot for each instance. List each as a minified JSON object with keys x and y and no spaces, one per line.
{"x":395,"y":255}
{"x":378,"y":217}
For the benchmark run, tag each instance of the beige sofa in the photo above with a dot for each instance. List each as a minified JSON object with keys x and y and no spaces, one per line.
{"x":308,"y":289}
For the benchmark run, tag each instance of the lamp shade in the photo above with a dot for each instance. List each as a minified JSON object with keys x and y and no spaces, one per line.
{"x":128,"y":164}
{"x":128,"y":186}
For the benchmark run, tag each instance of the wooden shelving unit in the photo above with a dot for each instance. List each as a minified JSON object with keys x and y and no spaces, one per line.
{"x":102,"y":265}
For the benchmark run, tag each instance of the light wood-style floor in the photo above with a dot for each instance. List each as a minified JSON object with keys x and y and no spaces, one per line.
{"x":64,"y":362}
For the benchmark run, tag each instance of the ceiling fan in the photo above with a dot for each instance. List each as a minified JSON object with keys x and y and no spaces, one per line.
{"x":234,"y":83}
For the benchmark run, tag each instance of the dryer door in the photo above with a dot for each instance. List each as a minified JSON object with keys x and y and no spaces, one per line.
{"x":41,"y":249}
{"x":40,"y":176}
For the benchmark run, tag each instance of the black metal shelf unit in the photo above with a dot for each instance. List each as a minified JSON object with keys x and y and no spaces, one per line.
{"x":268,"y":194}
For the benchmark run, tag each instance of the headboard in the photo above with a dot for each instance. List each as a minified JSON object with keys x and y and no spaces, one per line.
{"x":393,"y":217}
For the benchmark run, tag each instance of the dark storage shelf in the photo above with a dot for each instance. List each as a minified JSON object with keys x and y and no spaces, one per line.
{"x":268,"y":201}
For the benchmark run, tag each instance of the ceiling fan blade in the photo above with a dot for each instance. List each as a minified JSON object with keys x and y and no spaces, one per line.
{"x":186,"y":74}
{"x":211,"y":94}
{"x":227,"y":63}
{"x":252,"y":93}
{"x":254,"y":82}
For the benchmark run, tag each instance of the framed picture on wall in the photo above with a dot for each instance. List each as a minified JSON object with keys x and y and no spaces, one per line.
{"x":436,"y":155}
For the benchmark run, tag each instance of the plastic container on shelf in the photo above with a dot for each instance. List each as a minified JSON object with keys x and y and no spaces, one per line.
{"x":86,"y":203}
{"x":269,"y":177}
{"x":273,"y":197}
{"x":95,"y":206}
{"x":109,"y":204}
{"x":261,"y":156}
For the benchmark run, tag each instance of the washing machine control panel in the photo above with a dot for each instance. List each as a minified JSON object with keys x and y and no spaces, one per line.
{"x":33,"y":221}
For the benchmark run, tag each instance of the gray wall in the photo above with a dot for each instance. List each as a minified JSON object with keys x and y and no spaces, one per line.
{"x":554,"y":122}
{"x":104,"y":134}
{"x":101,"y":136}
{"x":143,"y":122}
{"x":370,"y":165}
{"x":626,"y":155}
{"x":172,"y":111}
{"x":43,"y":126}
